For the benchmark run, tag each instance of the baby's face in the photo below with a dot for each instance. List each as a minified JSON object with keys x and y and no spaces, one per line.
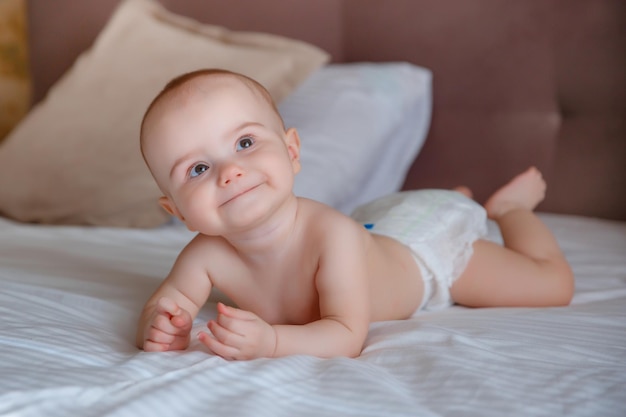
{"x":220,"y":154}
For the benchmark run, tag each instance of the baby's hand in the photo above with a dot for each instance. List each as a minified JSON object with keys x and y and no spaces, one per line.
{"x":168,"y":328}
{"x":239,"y":334}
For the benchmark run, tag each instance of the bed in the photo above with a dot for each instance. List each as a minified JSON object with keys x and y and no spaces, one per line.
{"x":386,"y":95}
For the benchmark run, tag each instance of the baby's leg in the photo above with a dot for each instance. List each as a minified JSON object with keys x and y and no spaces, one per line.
{"x":530,"y":270}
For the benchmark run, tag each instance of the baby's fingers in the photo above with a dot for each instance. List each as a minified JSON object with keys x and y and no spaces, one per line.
{"x":150,"y":346}
{"x":164,"y":324}
{"x":159,"y":336}
{"x":177,"y":343}
{"x":167,"y":306}
{"x":217,"y":347}
{"x":225,"y":335}
{"x":178,"y":319}
{"x":159,"y":340}
{"x":182,"y":321}
{"x":236,"y":313}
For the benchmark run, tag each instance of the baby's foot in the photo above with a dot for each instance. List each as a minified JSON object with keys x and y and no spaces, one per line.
{"x":524,"y":191}
{"x":464,"y":190}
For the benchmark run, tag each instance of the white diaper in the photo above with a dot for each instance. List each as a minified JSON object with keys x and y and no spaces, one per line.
{"x":439,"y":226}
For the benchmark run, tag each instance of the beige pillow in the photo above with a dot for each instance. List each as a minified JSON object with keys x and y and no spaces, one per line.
{"x":75,"y":158}
{"x":14,"y":76}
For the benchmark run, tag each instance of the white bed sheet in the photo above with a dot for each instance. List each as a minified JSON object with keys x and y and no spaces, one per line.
{"x":70,"y":296}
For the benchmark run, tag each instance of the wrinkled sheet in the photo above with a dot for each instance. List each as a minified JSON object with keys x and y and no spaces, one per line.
{"x":70,"y":298}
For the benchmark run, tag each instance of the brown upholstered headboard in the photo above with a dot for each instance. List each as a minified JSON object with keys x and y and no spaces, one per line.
{"x":516,"y":83}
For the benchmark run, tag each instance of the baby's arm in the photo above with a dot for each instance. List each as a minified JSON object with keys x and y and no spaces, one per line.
{"x":166,"y":319}
{"x":343,"y":290}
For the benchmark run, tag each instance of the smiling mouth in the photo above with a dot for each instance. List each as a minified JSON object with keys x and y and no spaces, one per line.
{"x":239,"y":194}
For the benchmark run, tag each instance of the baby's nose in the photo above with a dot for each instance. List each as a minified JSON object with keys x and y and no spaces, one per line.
{"x":229,"y":173}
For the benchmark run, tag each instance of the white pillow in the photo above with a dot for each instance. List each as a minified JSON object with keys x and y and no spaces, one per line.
{"x":361,"y":126}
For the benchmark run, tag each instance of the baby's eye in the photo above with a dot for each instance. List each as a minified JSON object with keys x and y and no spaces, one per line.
{"x":198,"y":170}
{"x":245,"y":143}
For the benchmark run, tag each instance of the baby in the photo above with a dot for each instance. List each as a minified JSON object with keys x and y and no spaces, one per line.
{"x":305,"y":278}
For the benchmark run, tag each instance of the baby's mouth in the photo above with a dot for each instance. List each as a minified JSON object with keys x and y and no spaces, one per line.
{"x":239,"y":194}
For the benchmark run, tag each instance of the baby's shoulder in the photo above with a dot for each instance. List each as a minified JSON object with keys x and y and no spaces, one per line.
{"x":201,"y":244}
{"x":212,"y":255}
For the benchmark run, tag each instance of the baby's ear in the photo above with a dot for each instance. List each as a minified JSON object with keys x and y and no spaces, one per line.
{"x":170,"y":207}
{"x":293,"y":148}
